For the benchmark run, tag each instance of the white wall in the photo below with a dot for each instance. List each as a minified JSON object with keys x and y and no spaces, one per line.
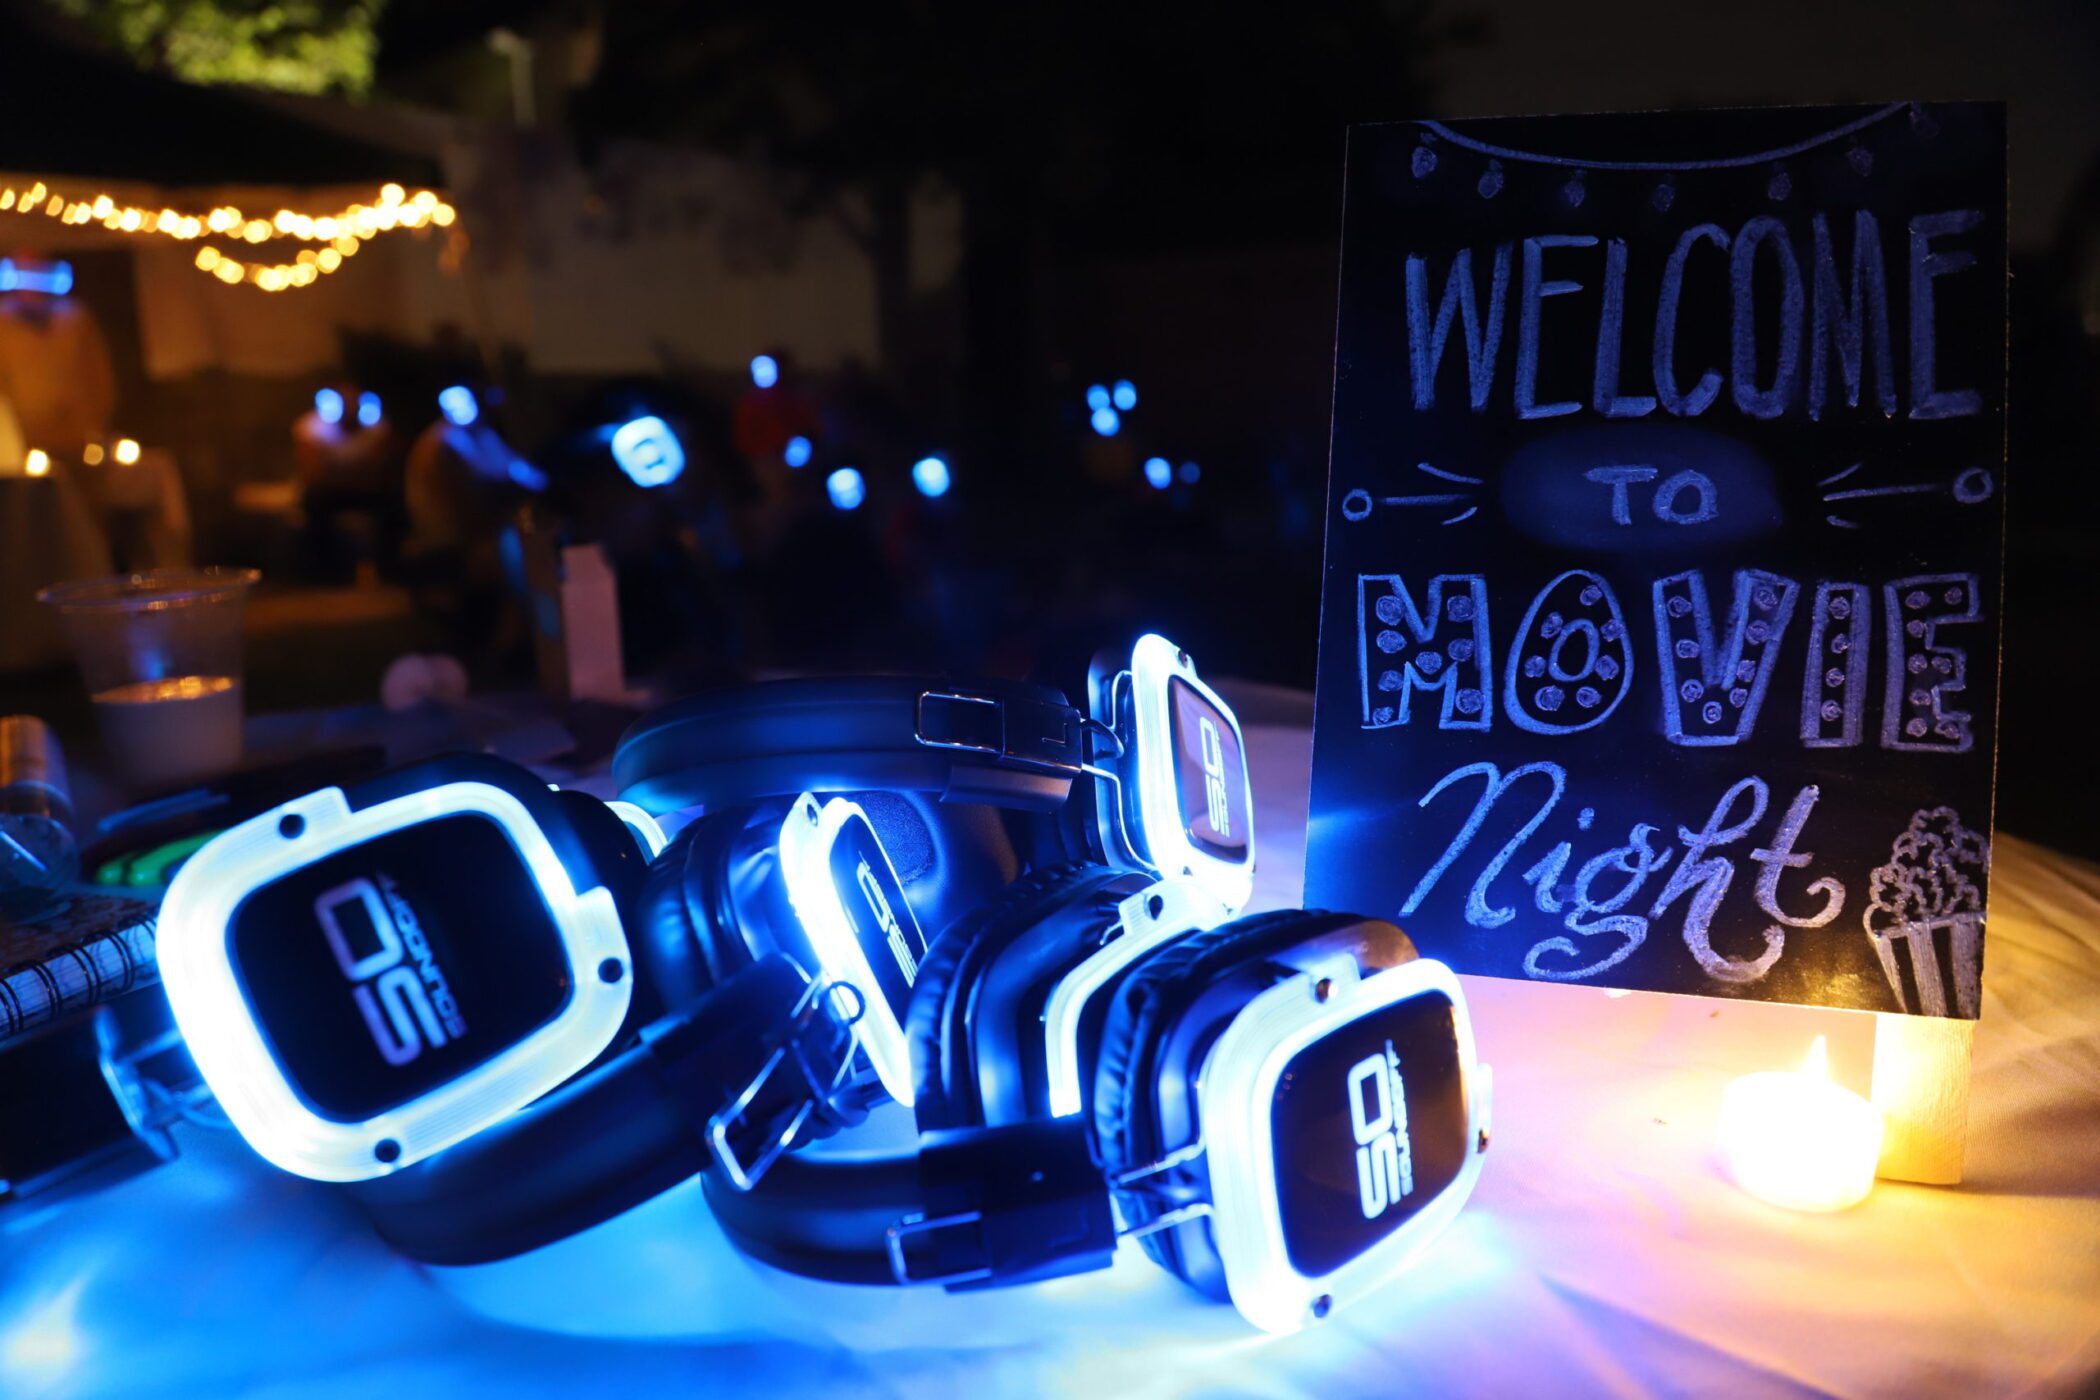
{"x":653,"y":258}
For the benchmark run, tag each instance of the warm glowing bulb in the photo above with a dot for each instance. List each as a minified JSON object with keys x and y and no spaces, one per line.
{"x":228,"y":271}
{"x":443,"y":215}
{"x":37,"y":463}
{"x":330,"y":260}
{"x":1798,"y":1140}
{"x":126,"y":452}
{"x":391,"y":194}
{"x":92,"y":454}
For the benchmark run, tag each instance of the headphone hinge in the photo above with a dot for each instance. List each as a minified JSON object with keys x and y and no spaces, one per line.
{"x":753,"y":1079}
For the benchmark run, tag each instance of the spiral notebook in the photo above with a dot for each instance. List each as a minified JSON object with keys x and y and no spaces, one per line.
{"x":92,"y":951}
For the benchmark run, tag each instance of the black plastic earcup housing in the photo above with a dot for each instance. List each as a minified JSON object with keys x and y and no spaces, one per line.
{"x":978,"y":997}
{"x":1165,"y":1016}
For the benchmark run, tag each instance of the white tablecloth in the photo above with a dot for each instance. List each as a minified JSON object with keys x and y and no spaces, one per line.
{"x":1603,"y":1254}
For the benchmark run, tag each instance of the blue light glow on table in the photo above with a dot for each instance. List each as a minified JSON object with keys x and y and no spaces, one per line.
{"x":1605,"y":1253}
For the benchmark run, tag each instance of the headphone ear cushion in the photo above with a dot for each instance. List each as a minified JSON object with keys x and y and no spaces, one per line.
{"x":674,"y":933}
{"x":937,"y":1023}
{"x":660,"y":931}
{"x":1126,"y":1072}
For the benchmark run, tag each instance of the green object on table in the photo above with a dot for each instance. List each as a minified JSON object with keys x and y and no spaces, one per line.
{"x":152,"y":867}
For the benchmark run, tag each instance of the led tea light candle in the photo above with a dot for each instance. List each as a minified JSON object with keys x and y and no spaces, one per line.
{"x":1795,"y":1139}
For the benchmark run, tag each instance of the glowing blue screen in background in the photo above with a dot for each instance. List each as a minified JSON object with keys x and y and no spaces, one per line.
{"x":931,"y":476}
{"x":459,"y":405}
{"x":648,"y":451}
{"x":846,"y":488}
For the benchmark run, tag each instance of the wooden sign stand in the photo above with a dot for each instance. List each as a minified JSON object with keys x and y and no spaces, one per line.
{"x":1921,"y":1086}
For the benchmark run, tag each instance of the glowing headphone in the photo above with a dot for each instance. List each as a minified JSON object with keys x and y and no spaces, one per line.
{"x":1151,"y":778}
{"x":493,"y":1062}
{"x":1283,"y":1109}
{"x":1028,"y":1021}
{"x":968,"y":785}
{"x":1173,"y":796}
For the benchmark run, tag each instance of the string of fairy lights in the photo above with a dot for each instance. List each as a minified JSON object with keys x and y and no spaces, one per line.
{"x":334,"y":238}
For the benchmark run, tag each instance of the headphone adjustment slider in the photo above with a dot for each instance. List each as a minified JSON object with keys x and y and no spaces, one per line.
{"x":1006,"y":1205}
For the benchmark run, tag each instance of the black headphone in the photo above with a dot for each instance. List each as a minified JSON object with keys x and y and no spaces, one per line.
{"x":998,"y":1193}
{"x":964,"y":784}
{"x":716,"y":942}
{"x":982,"y":778}
{"x":732,"y":1053}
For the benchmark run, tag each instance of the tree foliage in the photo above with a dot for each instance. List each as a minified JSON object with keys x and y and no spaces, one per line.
{"x":1160,"y":119}
{"x":310,"y":46}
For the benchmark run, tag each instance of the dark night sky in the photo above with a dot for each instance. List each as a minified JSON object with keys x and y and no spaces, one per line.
{"x":2041,"y":56}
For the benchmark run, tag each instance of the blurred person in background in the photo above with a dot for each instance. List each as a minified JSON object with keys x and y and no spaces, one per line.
{"x":462,"y":489}
{"x":776,"y":424}
{"x":14,"y":449}
{"x":55,"y":368}
{"x":349,"y":482}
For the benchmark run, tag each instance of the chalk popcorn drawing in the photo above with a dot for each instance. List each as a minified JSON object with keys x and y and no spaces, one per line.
{"x":1925,"y":914}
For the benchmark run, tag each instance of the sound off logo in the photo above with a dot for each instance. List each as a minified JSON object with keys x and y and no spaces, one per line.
{"x":1214,"y":776}
{"x":1385,"y":1168}
{"x":886,"y":921}
{"x":400,"y":990}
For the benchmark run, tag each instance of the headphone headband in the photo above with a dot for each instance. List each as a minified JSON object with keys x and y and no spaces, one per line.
{"x":1002,"y":743}
{"x":987,"y":1207}
{"x":726,"y":1083}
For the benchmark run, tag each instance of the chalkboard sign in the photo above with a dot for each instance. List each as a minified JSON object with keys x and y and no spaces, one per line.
{"x":1659,"y":637}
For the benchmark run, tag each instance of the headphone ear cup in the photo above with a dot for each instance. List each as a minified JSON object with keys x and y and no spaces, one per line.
{"x":937,"y":1023}
{"x":660,"y":931}
{"x":677,"y":933}
{"x":1126,"y":1076}
{"x":924,"y":1024}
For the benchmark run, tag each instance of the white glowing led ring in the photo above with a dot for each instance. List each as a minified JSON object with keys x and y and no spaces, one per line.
{"x":229,"y":1048}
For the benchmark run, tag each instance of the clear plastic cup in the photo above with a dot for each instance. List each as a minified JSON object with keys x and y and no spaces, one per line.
{"x":160,"y":652}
